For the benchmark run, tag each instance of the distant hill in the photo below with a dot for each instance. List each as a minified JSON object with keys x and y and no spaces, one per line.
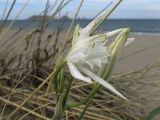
{"x":65,"y":18}
{"x":35,"y":17}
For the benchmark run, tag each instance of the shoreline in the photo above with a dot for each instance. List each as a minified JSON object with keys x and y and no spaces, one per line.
{"x":144,"y":33}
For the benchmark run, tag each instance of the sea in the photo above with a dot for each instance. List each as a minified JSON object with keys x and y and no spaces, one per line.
{"x":135,"y":25}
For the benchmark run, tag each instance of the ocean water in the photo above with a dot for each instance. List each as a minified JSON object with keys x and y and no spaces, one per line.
{"x":138,"y":26}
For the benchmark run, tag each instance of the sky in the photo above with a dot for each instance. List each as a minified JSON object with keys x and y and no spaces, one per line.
{"x":128,"y":9}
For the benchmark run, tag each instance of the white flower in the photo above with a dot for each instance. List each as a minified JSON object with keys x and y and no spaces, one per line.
{"x":90,"y":51}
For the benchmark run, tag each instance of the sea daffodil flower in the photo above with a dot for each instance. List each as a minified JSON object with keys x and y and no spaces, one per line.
{"x":91,"y":52}
{"x":88,"y":52}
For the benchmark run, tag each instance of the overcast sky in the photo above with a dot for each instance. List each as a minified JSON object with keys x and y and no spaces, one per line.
{"x":127,"y":9}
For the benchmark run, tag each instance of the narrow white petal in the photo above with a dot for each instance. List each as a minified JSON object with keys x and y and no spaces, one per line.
{"x":97,"y":52}
{"x":101,"y":81}
{"x":90,"y":64}
{"x":129,"y":41}
{"x":112,"y":33}
{"x":76,"y":74}
{"x":93,"y":62}
{"x":95,"y":23}
{"x":85,"y":46}
{"x":80,"y":56}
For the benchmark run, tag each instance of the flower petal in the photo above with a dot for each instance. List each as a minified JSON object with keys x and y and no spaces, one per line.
{"x":101,"y":81}
{"x":93,"y":62}
{"x":76,"y":74}
{"x":129,"y":40}
{"x":112,"y":33}
{"x":85,"y":32}
{"x":85,"y":45}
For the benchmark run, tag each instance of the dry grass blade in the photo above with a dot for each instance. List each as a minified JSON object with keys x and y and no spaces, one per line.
{"x":8,"y":28}
{"x":25,"y":109}
{"x":66,"y":38}
{"x":70,"y":27}
{"x":31,"y":95}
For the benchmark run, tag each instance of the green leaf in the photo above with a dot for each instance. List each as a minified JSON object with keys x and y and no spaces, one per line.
{"x":152,"y":114}
{"x":59,"y":75}
{"x":75,"y":34}
{"x":60,"y":81}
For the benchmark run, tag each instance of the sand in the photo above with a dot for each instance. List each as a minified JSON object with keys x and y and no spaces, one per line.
{"x":145,"y":50}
